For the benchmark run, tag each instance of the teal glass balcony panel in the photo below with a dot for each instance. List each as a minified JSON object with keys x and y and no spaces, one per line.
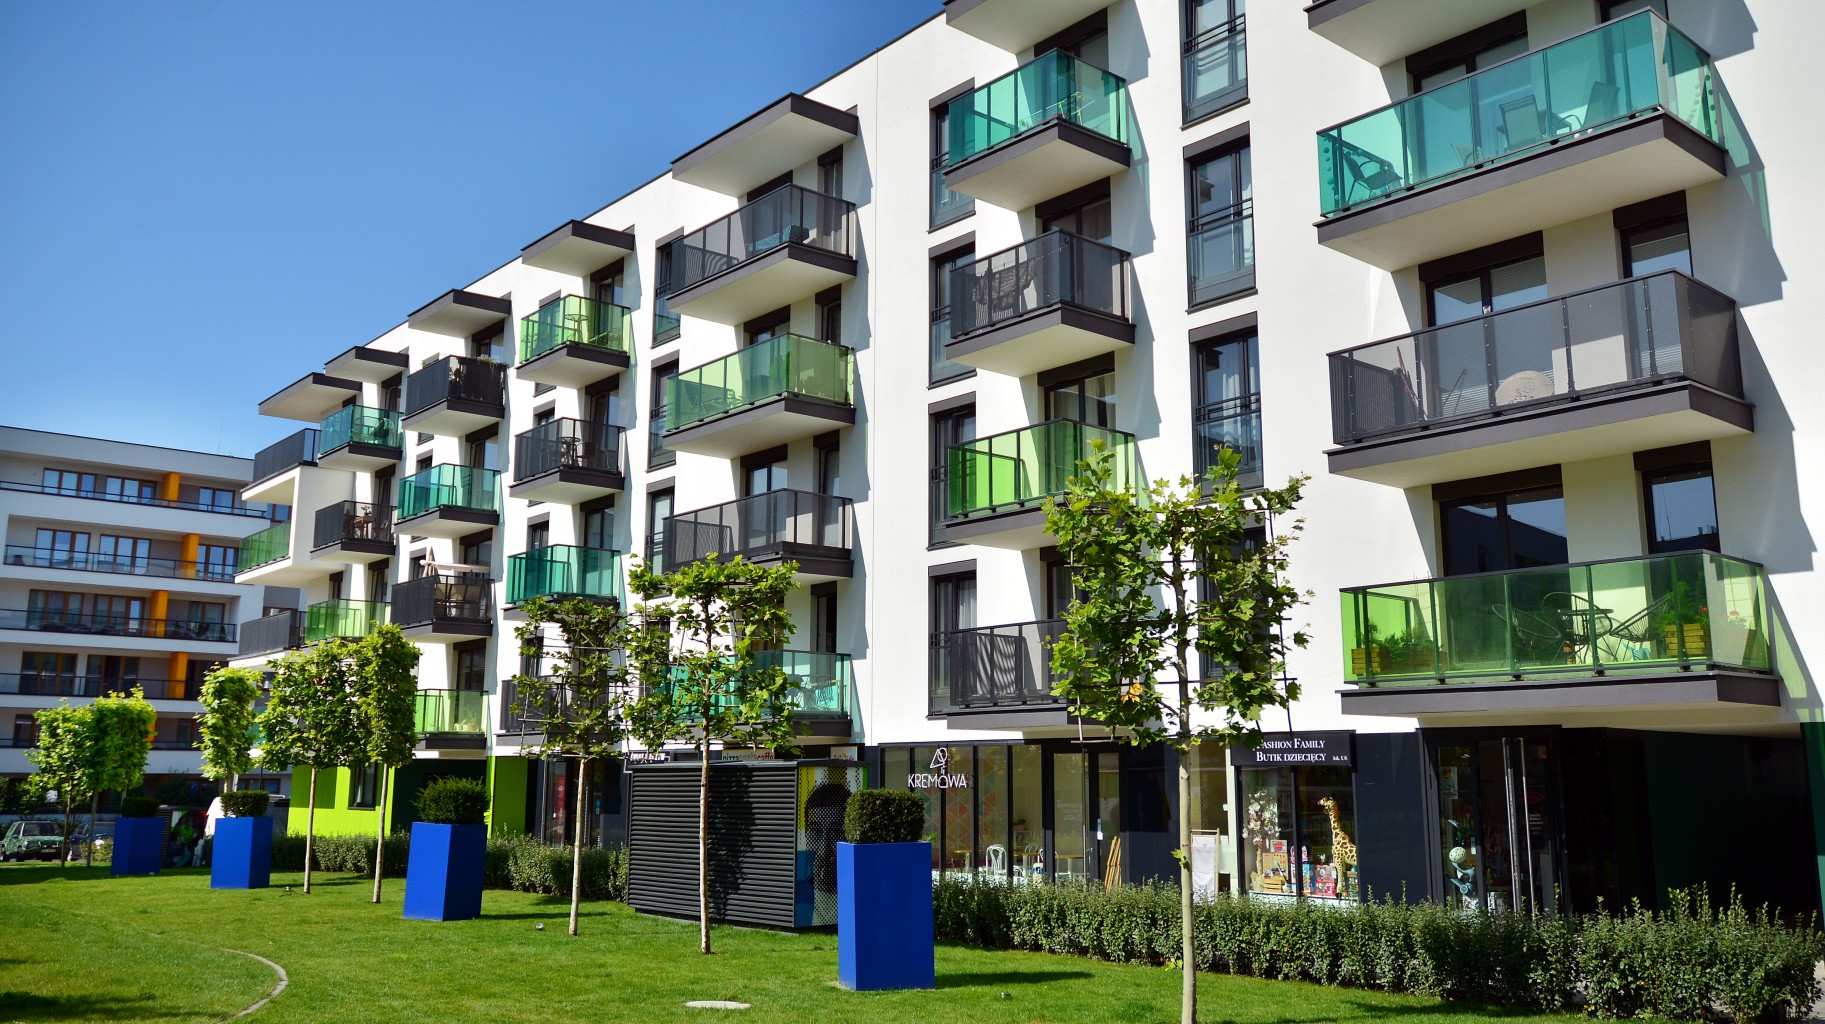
{"x":666,"y":327}
{"x":821,"y":684}
{"x":269,"y":545}
{"x":1052,"y":87}
{"x":1659,"y":613}
{"x":787,"y":365}
{"x":449,"y":487}
{"x":449,"y":711}
{"x":564,"y":570}
{"x":359,"y":424}
{"x":575,"y":320}
{"x":1510,"y":110}
{"x":342,"y":619}
{"x":1021,"y":468}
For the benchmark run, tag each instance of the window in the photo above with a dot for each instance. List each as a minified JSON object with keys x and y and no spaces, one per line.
{"x":830,"y":317}
{"x":1681,"y":509}
{"x":823,"y":617}
{"x":216,"y":561}
{"x":953,"y":602}
{"x":538,"y":535}
{"x":1471,"y":52}
{"x":477,"y":549}
{"x":658,"y":510}
{"x":364,"y":786}
{"x":830,"y":173}
{"x":25,"y":731}
{"x":489,"y":344}
{"x":943,"y":369}
{"x":483,"y":450}
{"x":1479,"y":293}
{"x":767,"y":327}
{"x":665,"y":325}
{"x":1227,"y":413}
{"x":60,"y":549}
{"x":471,"y":666}
{"x":948,"y":428}
{"x":760,"y":477}
{"x":52,"y":607}
{"x":599,"y":524}
{"x":1216,"y":57}
{"x":1093,"y":219}
{"x":1657,"y":245}
{"x":1088,"y":400}
{"x":608,"y":284}
{"x":126,"y":489}
{"x":1288,"y":831}
{"x":946,"y":206}
{"x":215,"y":497}
{"x":335,"y":586}
{"x":382,"y":497}
{"x":44,"y":672}
{"x":123,"y":554}
{"x":68,"y":481}
{"x":417,"y":566}
{"x":829,"y":466}
{"x":390,"y":392}
{"x":380,"y":580}
{"x":1220,"y":238}
{"x":658,"y":454}
{"x":1506,"y":530}
{"x":1610,"y":10}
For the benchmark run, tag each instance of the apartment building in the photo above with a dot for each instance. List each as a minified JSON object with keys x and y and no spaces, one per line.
{"x":1513,"y":292}
{"x":119,"y":571}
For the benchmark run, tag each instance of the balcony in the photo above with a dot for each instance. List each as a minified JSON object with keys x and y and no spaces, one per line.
{"x":573,"y":342}
{"x":460,"y":313}
{"x":310,"y":397}
{"x":27,"y":556}
{"x":342,"y":619}
{"x":358,"y":437}
{"x":1624,"y":112}
{"x":448,"y":501}
{"x":356,"y":532}
{"x":273,"y":481}
{"x":1044,"y":303}
{"x":995,"y":489}
{"x":564,"y":571}
{"x":1666,"y":634}
{"x":1015,"y":25}
{"x":87,"y":490}
{"x":451,"y":719}
{"x":567,"y":461}
{"x":455,"y":396}
{"x":1005,"y":670}
{"x":364,"y":363}
{"x":270,"y":545}
{"x":785,"y":246}
{"x":788,"y":133}
{"x":272,"y":634}
{"x":779,"y":390}
{"x":46,"y":684}
{"x":442,"y":608}
{"x":1642,"y":363}
{"x":578,"y":248}
{"x":821,"y":690}
{"x":816,"y":531}
{"x":1383,"y":31}
{"x":1051,"y":125}
{"x":82,"y":624}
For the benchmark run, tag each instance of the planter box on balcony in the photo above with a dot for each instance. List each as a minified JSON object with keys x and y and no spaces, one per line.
{"x":884,"y":916}
{"x":444,"y":872}
{"x":139,"y":846}
{"x":241,"y":857}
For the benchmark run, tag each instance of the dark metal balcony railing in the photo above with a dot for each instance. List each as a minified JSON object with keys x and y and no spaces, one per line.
{"x":51,"y":684}
{"x":1055,"y":269}
{"x":300,"y":449}
{"x":254,"y":510}
{"x":994,"y":667}
{"x":1220,"y":253}
{"x":1630,"y":334}
{"x":122,"y":564}
{"x":1216,"y":68}
{"x":442,"y":598}
{"x":281,"y":631}
{"x":566,"y":444}
{"x":116,"y":624}
{"x":761,"y":524}
{"x":788,"y":215}
{"x":353,"y":521}
{"x":482,"y":382}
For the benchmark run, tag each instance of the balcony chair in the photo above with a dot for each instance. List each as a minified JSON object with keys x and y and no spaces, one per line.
{"x":1375,"y":176}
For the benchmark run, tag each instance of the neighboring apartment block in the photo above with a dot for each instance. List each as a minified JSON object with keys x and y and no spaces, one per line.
{"x":1514,"y":290}
{"x":119,"y":572}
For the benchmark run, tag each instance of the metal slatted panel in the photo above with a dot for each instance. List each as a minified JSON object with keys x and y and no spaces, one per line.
{"x":753,"y":843}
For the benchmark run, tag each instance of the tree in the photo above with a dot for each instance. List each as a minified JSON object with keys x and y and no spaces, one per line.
{"x":62,"y":751}
{"x":386,"y":683}
{"x":1136,"y":561}
{"x":86,"y":750}
{"x":313,"y":719}
{"x":580,"y":707}
{"x":225,"y":729}
{"x":695,"y":653}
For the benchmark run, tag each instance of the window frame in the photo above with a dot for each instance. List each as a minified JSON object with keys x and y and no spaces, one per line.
{"x":1204,"y":410}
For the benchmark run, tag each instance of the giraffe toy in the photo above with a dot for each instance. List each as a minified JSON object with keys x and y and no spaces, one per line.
{"x":1343,"y":851}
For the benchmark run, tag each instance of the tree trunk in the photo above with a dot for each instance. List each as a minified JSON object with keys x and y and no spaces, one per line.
{"x":380,"y":832}
{"x":1188,"y":998}
{"x":63,"y":849}
{"x":576,"y":850}
{"x":703,"y":838}
{"x":88,"y":847}
{"x":310,"y":829}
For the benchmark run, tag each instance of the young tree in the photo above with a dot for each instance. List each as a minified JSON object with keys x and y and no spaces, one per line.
{"x":1136,"y":561}
{"x":700,"y":679}
{"x":580,"y":707}
{"x":65,"y":735}
{"x":123,"y":726}
{"x":225,"y":729}
{"x":313,"y":719}
{"x":386,"y":682}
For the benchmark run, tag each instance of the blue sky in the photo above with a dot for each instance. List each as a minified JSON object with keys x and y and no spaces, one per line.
{"x":200,"y":202}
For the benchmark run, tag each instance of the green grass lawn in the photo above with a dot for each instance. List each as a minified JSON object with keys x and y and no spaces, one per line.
{"x":77,"y":945}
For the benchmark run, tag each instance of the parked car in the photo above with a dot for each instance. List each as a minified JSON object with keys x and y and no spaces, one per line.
{"x":28,"y":840}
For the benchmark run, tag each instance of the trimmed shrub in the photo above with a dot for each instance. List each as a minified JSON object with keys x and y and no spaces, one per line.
{"x":137,"y":806}
{"x":884,"y":816}
{"x":245,"y":803}
{"x":453,"y":802}
{"x":511,"y":862}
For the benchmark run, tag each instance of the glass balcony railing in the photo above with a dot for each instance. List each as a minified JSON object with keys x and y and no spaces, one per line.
{"x":299,"y":449}
{"x":1632,"y":614}
{"x":1021,"y":468}
{"x":450,"y":711}
{"x":566,"y":444}
{"x":1630,"y":334}
{"x":575,"y":320}
{"x":994,"y":667}
{"x":119,"y":562}
{"x":465,"y":487}
{"x":1507,"y":111}
{"x":822,"y":684}
{"x":127,"y":622}
{"x":1054,"y":86}
{"x":758,"y":525}
{"x":1215,"y":74}
{"x":263,"y":548}
{"x":1055,"y":269}
{"x":342,"y":619}
{"x":787,"y":365}
{"x":788,"y":215}
{"x":479,"y":382}
{"x":666,"y":327}
{"x":564,"y":570}
{"x":1220,"y":253}
{"x":359,"y":424}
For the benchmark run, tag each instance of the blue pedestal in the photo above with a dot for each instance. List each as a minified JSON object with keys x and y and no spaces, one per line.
{"x":444,"y":872}
{"x":241,"y":857}
{"x":884,"y":916}
{"x":139,"y":846}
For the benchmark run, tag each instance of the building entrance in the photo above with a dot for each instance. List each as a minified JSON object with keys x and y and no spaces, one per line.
{"x":1501,"y":833}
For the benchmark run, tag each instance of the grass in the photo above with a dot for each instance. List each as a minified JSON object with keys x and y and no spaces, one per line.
{"x":77,"y":945}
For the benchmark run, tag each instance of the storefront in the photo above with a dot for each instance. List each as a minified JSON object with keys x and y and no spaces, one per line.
{"x":1298,"y":810}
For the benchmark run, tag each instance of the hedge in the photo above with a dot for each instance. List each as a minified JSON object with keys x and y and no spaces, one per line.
{"x":513,"y":862}
{"x":1688,"y":962}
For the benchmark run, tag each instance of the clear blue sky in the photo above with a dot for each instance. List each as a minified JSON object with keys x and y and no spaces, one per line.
{"x":200,"y":202}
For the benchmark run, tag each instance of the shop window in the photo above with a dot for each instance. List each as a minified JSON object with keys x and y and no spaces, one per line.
{"x":1299,"y":828}
{"x":959,"y":813}
{"x":1208,"y":763}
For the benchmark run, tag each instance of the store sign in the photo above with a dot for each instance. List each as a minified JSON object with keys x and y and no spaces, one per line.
{"x":940,"y":776}
{"x":648,"y":757}
{"x":1295,"y":749}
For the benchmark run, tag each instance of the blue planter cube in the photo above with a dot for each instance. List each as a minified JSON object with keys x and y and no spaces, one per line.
{"x":884,"y":916}
{"x":241,"y":857}
{"x":444,"y":872}
{"x":139,"y":846}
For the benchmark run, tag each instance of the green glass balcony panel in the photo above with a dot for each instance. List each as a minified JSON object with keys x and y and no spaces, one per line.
{"x":820,"y":684}
{"x":1614,"y":72}
{"x":666,"y":327}
{"x":342,"y":619}
{"x":1055,"y":86}
{"x":564,"y":570}
{"x":575,"y":320}
{"x":359,"y":424}
{"x":787,"y":365}
{"x":269,"y":545}
{"x":449,"y":711}
{"x":1021,"y":468}
{"x":1659,"y":613}
{"x":449,"y":487}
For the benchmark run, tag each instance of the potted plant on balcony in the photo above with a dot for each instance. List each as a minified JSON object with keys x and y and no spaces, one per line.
{"x":139,"y":837}
{"x":444,"y":857}
{"x":1682,"y":623}
{"x":240,"y":856}
{"x":884,"y":893}
{"x":1409,"y":652}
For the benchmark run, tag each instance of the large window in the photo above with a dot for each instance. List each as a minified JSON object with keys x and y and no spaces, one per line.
{"x":1216,"y":57}
{"x":1504,"y":530}
{"x":1664,"y":244}
{"x":471,"y":666}
{"x":946,"y":206}
{"x":658,"y":510}
{"x":364,"y":786}
{"x":1681,"y":508}
{"x":657,"y":453}
{"x":1088,"y":400}
{"x":943,"y":369}
{"x":1228,"y":404}
{"x":1220,"y":238}
{"x":951,"y":427}
{"x":1292,"y":821}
